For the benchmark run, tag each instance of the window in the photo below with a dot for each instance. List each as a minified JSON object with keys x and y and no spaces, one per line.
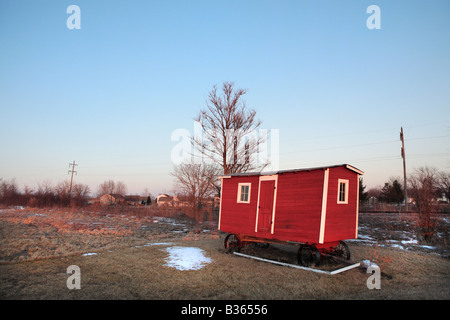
{"x":243,"y":193}
{"x":342,"y":191}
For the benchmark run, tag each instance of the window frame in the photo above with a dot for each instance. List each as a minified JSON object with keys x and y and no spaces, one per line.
{"x":346,"y":188}
{"x":239,"y":193}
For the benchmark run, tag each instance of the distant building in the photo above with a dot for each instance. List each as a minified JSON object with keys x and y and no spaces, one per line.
{"x":135,"y":200}
{"x":112,"y":199}
{"x":164,"y":200}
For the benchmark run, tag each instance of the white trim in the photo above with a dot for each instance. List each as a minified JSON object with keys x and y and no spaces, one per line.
{"x":346,"y":182}
{"x":239,"y":193}
{"x":323,"y":213}
{"x":274,"y":204}
{"x":221,"y":201}
{"x":257,"y":206}
{"x":357,"y":205}
{"x":349,"y":167}
{"x":267,"y":178}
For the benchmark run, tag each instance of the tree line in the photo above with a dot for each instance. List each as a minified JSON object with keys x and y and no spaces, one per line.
{"x":59,"y":195}
{"x":424,"y":182}
{"x":45,"y":195}
{"x":428,"y":190}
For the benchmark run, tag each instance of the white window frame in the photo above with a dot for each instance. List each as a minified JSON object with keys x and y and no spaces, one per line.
{"x":346,"y":183}
{"x":239,"y":193}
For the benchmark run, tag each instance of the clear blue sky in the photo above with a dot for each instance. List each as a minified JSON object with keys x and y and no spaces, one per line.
{"x":110,"y":95}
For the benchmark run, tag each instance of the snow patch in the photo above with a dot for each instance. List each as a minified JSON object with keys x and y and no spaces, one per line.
{"x":367,"y":263}
{"x":165,"y":220}
{"x":411,"y":241}
{"x":17,"y":207}
{"x":186,"y":258}
{"x":150,"y":244}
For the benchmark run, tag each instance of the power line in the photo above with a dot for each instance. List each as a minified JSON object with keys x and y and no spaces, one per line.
{"x":363,"y":144}
{"x":341,"y":147}
{"x":369,"y":159}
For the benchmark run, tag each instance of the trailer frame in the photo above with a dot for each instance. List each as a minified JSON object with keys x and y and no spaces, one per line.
{"x":308,"y":254}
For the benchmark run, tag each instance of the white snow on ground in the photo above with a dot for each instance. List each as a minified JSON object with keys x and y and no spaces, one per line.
{"x":186,"y":258}
{"x":407,"y":240}
{"x":89,"y":254}
{"x":150,"y":244}
{"x":170,"y":221}
{"x":367,"y":263}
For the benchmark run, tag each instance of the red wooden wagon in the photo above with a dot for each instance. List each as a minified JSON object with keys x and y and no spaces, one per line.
{"x":314,"y":208}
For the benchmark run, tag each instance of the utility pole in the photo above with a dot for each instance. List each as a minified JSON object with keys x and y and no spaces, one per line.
{"x":404,"y":168}
{"x":72,"y":171}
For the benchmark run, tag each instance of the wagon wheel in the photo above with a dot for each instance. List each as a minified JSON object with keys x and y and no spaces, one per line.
{"x":308,"y":255}
{"x":232,"y":243}
{"x":342,"y":250}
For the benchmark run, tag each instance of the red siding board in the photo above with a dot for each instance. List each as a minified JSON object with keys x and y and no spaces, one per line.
{"x":299,"y":201}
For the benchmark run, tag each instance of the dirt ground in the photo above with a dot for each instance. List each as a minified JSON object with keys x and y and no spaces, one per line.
{"x":124,"y":256}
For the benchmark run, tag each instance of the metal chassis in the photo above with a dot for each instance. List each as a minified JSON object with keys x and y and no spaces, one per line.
{"x":327,"y":249}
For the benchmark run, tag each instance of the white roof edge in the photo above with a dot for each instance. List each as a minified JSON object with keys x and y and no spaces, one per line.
{"x":271,"y":173}
{"x":349,"y":167}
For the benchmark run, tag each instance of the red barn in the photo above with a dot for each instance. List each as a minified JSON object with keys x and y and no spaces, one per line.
{"x":316,"y":206}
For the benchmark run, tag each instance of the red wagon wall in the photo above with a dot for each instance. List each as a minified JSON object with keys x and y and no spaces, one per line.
{"x":341,"y":219}
{"x":301,"y":213}
{"x":298,"y":207}
{"x":238,"y":217}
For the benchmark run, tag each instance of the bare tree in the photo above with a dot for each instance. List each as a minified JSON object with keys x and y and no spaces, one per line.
{"x":45,"y":194}
{"x":62,"y":191}
{"x":121,"y":188}
{"x":80,"y":193}
{"x":9,"y":192}
{"x":28,"y":191}
{"x":112,"y":187}
{"x":197,"y":182}
{"x":106,"y":187}
{"x":444,"y":184}
{"x":229,"y":131}
{"x":423,"y":188}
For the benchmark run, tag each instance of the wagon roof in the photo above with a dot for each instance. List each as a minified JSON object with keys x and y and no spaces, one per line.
{"x":269,"y":173}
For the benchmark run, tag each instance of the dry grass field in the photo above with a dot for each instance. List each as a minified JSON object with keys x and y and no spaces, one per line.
{"x":127,"y":256}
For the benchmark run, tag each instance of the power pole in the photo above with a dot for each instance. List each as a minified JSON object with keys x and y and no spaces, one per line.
{"x":404,"y":168}
{"x":72,"y":171}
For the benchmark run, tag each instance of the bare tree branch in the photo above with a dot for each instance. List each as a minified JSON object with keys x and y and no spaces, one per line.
{"x":229,"y":131}
{"x":197,"y":182}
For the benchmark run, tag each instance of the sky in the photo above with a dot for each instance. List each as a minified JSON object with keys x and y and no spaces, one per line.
{"x":110,"y":94}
